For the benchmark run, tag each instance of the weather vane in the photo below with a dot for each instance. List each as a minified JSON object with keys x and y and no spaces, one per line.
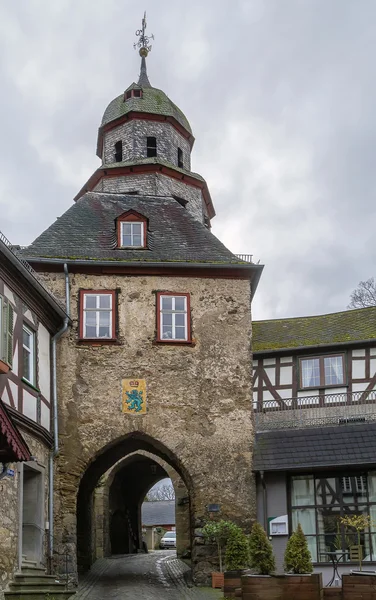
{"x":144,"y":42}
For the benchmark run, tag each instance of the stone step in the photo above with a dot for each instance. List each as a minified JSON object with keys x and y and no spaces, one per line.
{"x":39,"y":595}
{"x":40,"y":577}
{"x":31,"y":564}
{"x":30,"y":586}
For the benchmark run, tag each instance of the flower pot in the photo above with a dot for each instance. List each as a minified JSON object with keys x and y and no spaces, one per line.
{"x":282,"y":587}
{"x":232,"y":582}
{"x":363,"y":586}
{"x":217,"y":580}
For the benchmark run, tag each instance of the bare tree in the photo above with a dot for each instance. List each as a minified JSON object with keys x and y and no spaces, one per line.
{"x":364,"y":295}
{"x":164,"y":492}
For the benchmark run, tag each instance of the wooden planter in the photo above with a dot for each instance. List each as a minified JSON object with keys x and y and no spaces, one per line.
{"x":232,"y":582}
{"x":282,"y":587}
{"x":217,"y":580}
{"x":358,"y":586}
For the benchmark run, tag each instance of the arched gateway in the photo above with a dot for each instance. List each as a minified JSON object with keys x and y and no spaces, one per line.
{"x":159,"y":355}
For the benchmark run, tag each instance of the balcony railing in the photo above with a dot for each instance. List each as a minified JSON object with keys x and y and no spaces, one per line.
{"x":245,"y":257}
{"x":316,"y":411}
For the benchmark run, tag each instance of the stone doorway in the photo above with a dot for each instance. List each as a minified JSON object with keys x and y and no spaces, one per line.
{"x":32,"y":514}
{"x":109,"y":500}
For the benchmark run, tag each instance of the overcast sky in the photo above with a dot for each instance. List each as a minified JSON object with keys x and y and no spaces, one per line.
{"x":281,"y":98}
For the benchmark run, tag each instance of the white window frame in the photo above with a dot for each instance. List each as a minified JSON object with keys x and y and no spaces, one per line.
{"x":131,"y":223}
{"x":97,"y":310}
{"x":30,"y":377}
{"x":173,"y":312}
{"x":6,"y":331}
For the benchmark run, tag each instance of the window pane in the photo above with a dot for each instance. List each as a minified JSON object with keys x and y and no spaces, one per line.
{"x":179,"y":303}
{"x":310,"y":372}
{"x":90,"y":331}
{"x":327,"y":491}
{"x":167,"y":319}
{"x":167,"y":332}
{"x":127,"y":228}
{"x":306,"y":518}
{"x":26,"y":339}
{"x":180,"y":319}
{"x":127,"y":240}
{"x":372,"y":486}
{"x":137,"y":240}
{"x":166,"y":302}
{"x":354,"y":489}
{"x":104,"y":318}
{"x":91,"y":318}
{"x":105,"y":301}
{"x":180,"y":333}
{"x":104,"y":331}
{"x":90,"y":301}
{"x":136,"y":228}
{"x":302,"y":491}
{"x":333,"y":366}
{"x":26,"y":364}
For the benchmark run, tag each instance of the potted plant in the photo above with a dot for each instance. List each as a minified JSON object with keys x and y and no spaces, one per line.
{"x":236,"y":561}
{"x":297,"y":555}
{"x":354,"y":585}
{"x":218,"y":532}
{"x":262,"y":561}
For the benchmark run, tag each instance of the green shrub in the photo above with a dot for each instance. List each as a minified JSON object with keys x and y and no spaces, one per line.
{"x":219,"y":532}
{"x":261,"y":551}
{"x":237,"y":551}
{"x":297,"y":556}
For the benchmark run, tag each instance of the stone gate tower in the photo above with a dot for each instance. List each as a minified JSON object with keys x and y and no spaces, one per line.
{"x":158,"y":360}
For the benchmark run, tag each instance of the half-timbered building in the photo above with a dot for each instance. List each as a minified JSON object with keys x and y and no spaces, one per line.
{"x":30,"y":317}
{"x":315,"y":416}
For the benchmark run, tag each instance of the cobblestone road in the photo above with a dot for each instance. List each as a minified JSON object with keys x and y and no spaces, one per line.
{"x":154,"y":576}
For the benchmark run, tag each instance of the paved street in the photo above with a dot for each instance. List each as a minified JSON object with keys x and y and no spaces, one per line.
{"x":154,"y":576}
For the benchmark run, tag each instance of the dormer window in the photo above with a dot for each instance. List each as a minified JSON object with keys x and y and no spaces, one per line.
{"x":132,"y":234}
{"x":180,"y":158}
{"x":135,"y":93}
{"x":151,"y":146}
{"x":118,"y":151}
{"x":131,"y":229}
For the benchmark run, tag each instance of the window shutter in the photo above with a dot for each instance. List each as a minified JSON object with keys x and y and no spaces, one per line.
{"x":7,"y":333}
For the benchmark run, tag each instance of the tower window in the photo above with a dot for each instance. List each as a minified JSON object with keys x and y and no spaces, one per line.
{"x":151,"y":146}
{"x":119,"y":151}
{"x":137,"y":93}
{"x":180,"y":158}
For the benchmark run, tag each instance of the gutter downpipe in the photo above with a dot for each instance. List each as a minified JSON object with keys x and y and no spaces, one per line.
{"x":264,"y":501}
{"x":55,"y":449}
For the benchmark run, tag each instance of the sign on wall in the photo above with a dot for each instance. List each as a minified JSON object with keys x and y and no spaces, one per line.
{"x":134,"y":396}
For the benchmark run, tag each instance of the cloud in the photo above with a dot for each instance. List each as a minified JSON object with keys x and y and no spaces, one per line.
{"x":281,"y":99}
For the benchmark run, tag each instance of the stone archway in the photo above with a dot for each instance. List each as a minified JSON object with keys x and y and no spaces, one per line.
{"x":130,"y":478}
{"x":112,"y":503}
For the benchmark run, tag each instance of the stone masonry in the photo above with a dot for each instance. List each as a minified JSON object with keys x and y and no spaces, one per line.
{"x":199,"y":397}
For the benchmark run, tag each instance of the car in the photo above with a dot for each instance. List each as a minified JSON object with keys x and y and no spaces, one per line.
{"x":168,"y":540}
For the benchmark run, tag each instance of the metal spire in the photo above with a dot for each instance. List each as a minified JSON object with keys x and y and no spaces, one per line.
{"x":144,"y":48}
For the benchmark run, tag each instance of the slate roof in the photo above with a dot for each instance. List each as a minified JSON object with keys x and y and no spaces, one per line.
{"x":153,"y":101}
{"x":151,"y":160}
{"x":319,"y":447}
{"x":348,"y":326}
{"x":158,"y":513}
{"x":87,"y":231}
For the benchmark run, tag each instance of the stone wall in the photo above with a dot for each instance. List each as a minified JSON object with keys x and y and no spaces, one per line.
{"x":199,"y":397}
{"x":156,"y":184}
{"x":10,"y":510}
{"x":133,"y":135}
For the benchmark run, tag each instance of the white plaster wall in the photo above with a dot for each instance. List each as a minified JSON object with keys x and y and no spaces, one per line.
{"x":359,"y":352}
{"x":358,"y":369}
{"x":44,"y":362}
{"x":45,"y":416}
{"x":286,"y":359}
{"x":270,"y":372}
{"x":29,"y":405}
{"x":285,"y":376}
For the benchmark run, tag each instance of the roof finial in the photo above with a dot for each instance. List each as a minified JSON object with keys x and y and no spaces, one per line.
{"x":144,"y":48}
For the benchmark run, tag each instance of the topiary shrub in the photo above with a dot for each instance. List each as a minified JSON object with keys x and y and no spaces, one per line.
{"x":219,"y":532}
{"x":237,"y":551}
{"x":261,"y":551}
{"x":297,"y":555}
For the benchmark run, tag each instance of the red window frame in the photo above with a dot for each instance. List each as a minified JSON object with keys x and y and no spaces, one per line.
{"x":159,"y":320}
{"x":132,"y":217}
{"x":111,"y":293}
{"x":135,"y":93}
